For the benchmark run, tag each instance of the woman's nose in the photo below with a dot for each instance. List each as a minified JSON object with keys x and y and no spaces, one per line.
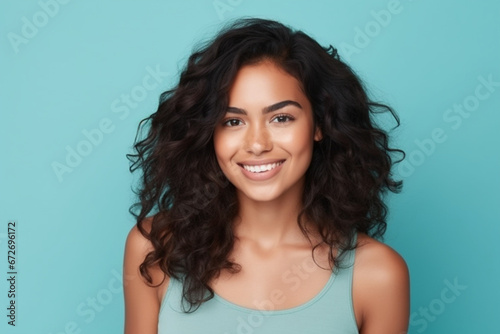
{"x":258,"y":139}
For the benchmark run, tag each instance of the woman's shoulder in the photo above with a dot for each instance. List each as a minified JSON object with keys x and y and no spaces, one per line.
{"x":380,"y":284}
{"x":377,"y":258}
{"x":136,"y":241}
{"x":142,"y":299}
{"x":138,"y":246}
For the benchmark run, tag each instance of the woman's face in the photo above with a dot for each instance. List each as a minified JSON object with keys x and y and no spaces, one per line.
{"x":264,"y":143}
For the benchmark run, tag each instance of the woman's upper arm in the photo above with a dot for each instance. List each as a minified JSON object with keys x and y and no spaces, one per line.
{"x":383,"y":289}
{"x":141,"y":300}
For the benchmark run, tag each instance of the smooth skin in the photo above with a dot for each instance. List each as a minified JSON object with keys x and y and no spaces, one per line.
{"x":270,"y":121}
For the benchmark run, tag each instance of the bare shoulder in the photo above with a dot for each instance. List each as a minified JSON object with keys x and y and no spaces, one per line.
{"x":379,"y":261}
{"x":142,"y":299}
{"x":380,"y":288}
{"x":136,"y":241}
{"x":137,"y":245}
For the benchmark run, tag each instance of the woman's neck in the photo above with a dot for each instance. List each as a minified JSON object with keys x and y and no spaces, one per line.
{"x":270,"y":223}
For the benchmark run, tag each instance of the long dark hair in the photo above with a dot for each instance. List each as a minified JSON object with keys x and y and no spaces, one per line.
{"x":195,"y":205}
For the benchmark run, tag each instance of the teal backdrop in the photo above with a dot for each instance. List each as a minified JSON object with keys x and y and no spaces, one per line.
{"x":78,"y":76}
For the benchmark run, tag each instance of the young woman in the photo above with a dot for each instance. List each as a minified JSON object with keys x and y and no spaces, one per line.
{"x":263,"y":177}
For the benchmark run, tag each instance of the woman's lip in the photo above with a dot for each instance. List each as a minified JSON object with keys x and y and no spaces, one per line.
{"x":260,"y":162}
{"x":262,"y":176}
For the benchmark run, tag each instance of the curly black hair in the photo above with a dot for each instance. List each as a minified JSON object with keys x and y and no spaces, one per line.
{"x":194,"y":204}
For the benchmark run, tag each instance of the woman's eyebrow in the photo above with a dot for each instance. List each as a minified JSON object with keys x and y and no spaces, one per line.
{"x":267,"y":109}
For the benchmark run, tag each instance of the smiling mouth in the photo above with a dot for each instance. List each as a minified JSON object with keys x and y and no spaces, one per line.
{"x":261,"y":168}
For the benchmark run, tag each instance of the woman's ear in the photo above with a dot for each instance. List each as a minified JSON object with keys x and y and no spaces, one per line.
{"x":318,"y":135}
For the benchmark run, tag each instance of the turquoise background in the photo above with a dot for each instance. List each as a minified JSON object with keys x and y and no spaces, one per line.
{"x":67,"y":76}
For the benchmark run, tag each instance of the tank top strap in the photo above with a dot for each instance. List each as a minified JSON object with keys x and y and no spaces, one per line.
{"x":174,"y":293}
{"x":337,"y":301}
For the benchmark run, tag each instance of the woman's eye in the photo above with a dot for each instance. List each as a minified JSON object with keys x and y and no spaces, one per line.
{"x":232,"y":122}
{"x":282,"y":118}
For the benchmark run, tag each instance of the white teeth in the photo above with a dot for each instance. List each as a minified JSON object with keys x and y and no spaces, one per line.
{"x":261,"y":168}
